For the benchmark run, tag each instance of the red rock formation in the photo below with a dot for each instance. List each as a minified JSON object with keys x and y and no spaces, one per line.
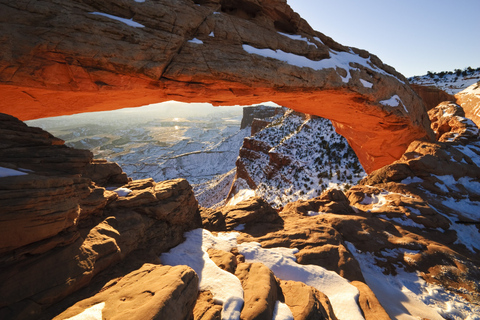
{"x":469,"y":99}
{"x":59,"y":229}
{"x":59,"y":59}
{"x":151,"y":292}
{"x":431,"y":95}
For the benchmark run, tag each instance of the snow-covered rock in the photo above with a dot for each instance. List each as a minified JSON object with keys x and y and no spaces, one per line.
{"x":295,"y":157}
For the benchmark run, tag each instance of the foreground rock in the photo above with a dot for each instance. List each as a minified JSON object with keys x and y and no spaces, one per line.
{"x":59,"y":228}
{"x":183,"y":50}
{"x":151,"y":292}
{"x":469,"y":99}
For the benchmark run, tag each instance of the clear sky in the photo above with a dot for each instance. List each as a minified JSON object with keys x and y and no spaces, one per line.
{"x":413,"y":36}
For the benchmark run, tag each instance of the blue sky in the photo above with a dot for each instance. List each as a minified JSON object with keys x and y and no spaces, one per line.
{"x":413,"y":36}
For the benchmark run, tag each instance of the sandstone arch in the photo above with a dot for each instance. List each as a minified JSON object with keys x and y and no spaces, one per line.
{"x":58,"y":58}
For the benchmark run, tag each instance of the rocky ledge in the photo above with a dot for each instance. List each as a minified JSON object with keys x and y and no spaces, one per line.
{"x":79,"y":238}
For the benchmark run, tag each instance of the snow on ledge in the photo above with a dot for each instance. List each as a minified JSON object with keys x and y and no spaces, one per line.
{"x":394,"y":101}
{"x":7,"y":172}
{"x":340,"y":60}
{"x":92,"y":313}
{"x":196,"y":41}
{"x":129,"y":22}
{"x":123,"y":192}
{"x":226,"y":288}
{"x":366,"y":84}
{"x":298,"y":37}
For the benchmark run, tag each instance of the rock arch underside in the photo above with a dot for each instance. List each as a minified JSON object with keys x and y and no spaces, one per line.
{"x":62,"y":57}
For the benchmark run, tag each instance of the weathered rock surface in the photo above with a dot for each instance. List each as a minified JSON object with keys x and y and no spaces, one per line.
{"x":260,"y":291}
{"x":151,"y":292}
{"x":431,"y":95}
{"x":305,"y":302}
{"x":36,"y":150}
{"x":206,"y":309}
{"x":245,"y":213}
{"x":258,"y":112}
{"x":469,"y":99}
{"x":223,"y":52}
{"x":59,"y":229}
{"x":450,"y":125}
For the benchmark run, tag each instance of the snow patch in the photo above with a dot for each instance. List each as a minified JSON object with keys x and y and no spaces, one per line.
{"x":378,"y":200}
{"x":7,"y":172}
{"x":340,"y":60}
{"x":240,"y":227}
{"x":196,"y":41}
{"x":314,"y":213}
{"x":92,"y":313}
{"x":282,"y":312}
{"x":412,"y":180}
{"x":298,"y":37}
{"x":407,"y":296}
{"x":224,"y":286}
{"x":366,"y":84}
{"x":318,"y":39}
{"x":282,"y":262}
{"x":128,"y":22}
{"x":394,"y":101}
{"x":123,"y":192}
{"x":211,"y":34}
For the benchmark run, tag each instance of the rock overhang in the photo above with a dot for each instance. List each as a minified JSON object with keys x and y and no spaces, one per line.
{"x":62,"y":59}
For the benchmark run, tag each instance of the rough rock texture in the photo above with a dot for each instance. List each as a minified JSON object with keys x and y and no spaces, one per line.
{"x":469,"y":99}
{"x":59,"y":229}
{"x":58,"y":58}
{"x":206,"y":309}
{"x":305,"y":302}
{"x":431,"y":95}
{"x":245,"y":213}
{"x":258,"y":112}
{"x":260,"y":291}
{"x":450,"y":125}
{"x":151,"y":292}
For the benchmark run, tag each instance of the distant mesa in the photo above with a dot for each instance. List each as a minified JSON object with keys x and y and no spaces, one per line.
{"x":60,"y":59}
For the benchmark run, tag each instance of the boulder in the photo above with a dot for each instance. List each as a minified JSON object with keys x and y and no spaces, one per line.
{"x":450,"y":125}
{"x":225,"y":260}
{"x":260,"y":291}
{"x":223,"y":52}
{"x":248,"y":213}
{"x":305,"y":302}
{"x":151,"y":292}
{"x":205,"y":307}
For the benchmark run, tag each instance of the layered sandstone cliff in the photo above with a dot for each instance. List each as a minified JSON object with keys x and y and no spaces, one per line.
{"x":60,"y":226}
{"x":64,"y":57}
